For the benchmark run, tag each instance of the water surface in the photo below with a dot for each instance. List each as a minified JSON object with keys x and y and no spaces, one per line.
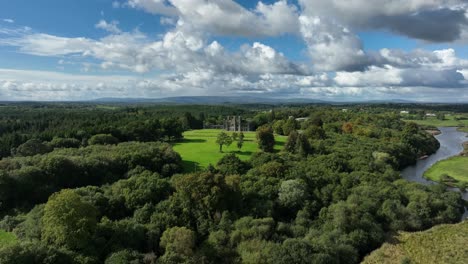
{"x":451,"y":144}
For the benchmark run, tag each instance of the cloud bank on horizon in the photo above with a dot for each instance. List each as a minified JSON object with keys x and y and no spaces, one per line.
{"x":225,"y":47}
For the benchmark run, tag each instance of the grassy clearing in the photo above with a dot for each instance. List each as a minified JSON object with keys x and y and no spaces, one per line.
{"x":441,"y":244}
{"x":456,"y":168}
{"x":7,"y":238}
{"x":448,"y":122}
{"x":199,"y":148}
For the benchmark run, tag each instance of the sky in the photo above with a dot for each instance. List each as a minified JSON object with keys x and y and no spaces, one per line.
{"x":335,"y":50}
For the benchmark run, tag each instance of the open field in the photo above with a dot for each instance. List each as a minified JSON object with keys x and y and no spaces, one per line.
{"x":199,"y":148}
{"x":7,"y":238}
{"x":455,"y":167}
{"x":441,"y":244}
{"x":448,"y":122}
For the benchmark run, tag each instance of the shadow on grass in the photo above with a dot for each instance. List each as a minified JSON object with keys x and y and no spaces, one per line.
{"x":190,"y":166}
{"x":277,"y":143}
{"x":243,"y":153}
{"x":193,"y":140}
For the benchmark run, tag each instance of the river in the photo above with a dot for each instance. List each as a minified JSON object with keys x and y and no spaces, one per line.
{"x":451,"y":143}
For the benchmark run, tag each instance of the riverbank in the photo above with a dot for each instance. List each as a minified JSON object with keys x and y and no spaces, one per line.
{"x":451,"y":144}
{"x":452,"y":172}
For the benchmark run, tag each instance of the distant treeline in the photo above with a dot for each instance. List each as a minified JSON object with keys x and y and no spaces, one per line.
{"x":21,"y":122}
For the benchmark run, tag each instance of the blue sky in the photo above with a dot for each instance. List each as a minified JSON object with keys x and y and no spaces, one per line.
{"x":334,"y":50}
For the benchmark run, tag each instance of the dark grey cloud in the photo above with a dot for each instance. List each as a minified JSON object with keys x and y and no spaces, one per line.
{"x":439,"y":25}
{"x":433,"y":78}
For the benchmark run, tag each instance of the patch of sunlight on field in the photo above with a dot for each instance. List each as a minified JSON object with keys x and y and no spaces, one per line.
{"x":199,"y":148}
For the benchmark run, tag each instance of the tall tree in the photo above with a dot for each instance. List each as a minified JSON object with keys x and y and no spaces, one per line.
{"x":68,"y":221}
{"x":240,"y":141}
{"x":265,"y":138}
{"x":223,"y":139}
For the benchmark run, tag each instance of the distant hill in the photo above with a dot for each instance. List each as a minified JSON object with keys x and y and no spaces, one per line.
{"x":238,"y":100}
{"x":440,"y":244}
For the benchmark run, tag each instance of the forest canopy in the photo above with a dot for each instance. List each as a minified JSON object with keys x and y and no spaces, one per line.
{"x":86,"y":184}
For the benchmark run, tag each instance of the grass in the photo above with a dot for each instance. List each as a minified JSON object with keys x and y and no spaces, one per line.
{"x":456,"y":168}
{"x":7,"y":238}
{"x":441,"y":244}
{"x":199,"y":148}
{"x":449,"y":121}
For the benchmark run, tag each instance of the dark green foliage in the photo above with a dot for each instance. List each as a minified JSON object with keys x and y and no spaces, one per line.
{"x":288,"y":126}
{"x":64,"y":143}
{"x":240,"y":140}
{"x":265,"y":138}
{"x":68,"y":221}
{"x":103,"y":139}
{"x":178,"y":244}
{"x":32,"y":147}
{"x":331,"y":196}
{"x":125,"y":257}
{"x":34,"y":253}
{"x":39,"y":176}
{"x":112,"y":236}
{"x":231,"y":164}
{"x":290,"y":145}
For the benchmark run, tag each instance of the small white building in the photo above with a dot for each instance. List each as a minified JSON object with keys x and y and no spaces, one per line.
{"x":404,"y":112}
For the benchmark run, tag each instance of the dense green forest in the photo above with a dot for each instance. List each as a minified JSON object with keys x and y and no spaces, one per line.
{"x":83,"y":183}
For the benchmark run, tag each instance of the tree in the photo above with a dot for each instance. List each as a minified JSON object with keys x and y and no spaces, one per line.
{"x":278,"y":127}
{"x":178,"y":244}
{"x":230,"y":164}
{"x":68,"y":221}
{"x":125,"y":257}
{"x":235,"y":136}
{"x":223,"y":139}
{"x":64,"y":143}
{"x":290,"y":145}
{"x":347,"y":128}
{"x":303,"y":147}
{"x":289,"y":126}
{"x":440,"y":116}
{"x":292,"y":193}
{"x":265,"y":138}
{"x":240,"y":141}
{"x":32,"y":147}
{"x":314,"y":132}
{"x":203,"y":196}
{"x":103,"y":139}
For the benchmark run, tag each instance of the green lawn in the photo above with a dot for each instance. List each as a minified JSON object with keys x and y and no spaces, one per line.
{"x":441,"y":244}
{"x":7,"y":238}
{"x":199,"y":148}
{"x":448,"y":122}
{"x":455,"y":167}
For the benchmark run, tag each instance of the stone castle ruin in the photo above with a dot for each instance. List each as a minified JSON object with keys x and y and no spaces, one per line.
{"x":235,"y":123}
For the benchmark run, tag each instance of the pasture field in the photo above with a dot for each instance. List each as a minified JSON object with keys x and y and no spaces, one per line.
{"x":455,"y":167}
{"x":199,"y":148}
{"x":449,"y":121}
{"x":440,"y":244}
